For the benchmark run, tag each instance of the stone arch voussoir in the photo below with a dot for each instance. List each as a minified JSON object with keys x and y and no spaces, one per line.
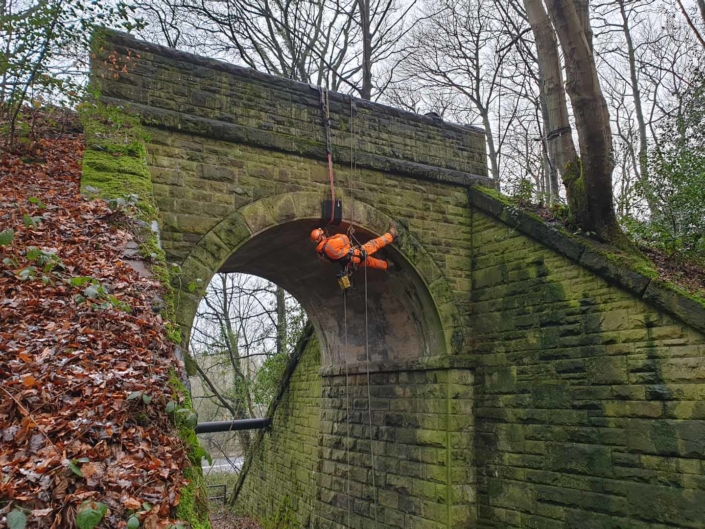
{"x":214,"y":248}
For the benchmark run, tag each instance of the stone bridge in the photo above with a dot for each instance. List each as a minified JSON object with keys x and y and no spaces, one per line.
{"x":518,"y":376}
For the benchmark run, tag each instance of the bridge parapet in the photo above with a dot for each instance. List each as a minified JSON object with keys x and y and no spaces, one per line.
{"x":192,"y":94}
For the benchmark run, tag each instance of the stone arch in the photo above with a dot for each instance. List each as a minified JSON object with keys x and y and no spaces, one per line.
{"x":413,"y":317}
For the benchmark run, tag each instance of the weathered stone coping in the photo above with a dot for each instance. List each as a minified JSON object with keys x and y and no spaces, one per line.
{"x":430,"y":363}
{"x":302,"y":95}
{"x":124,"y":39}
{"x":221,"y":130}
{"x":594,"y":257}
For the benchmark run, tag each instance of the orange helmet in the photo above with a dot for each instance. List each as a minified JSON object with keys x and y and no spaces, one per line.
{"x":317,"y":235}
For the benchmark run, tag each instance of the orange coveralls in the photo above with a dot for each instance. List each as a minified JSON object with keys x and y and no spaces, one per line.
{"x":337,"y":248}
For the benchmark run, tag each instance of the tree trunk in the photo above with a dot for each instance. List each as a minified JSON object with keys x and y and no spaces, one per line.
{"x":582,"y":9}
{"x":560,"y":144}
{"x":548,"y":148}
{"x":589,"y":182}
{"x":281,"y":321}
{"x":701,"y":5}
{"x":690,"y":22}
{"x":365,"y":24}
{"x":239,"y":380}
{"x":636,"y":94}
{"x":492,"y":150}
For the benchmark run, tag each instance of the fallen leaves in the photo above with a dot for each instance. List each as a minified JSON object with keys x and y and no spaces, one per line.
{"x":78,"y":336}
{"x":132,"y":503}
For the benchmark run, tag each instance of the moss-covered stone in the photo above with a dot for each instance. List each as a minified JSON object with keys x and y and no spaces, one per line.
{"x":193,"y":507}
{"x":114,"y":167}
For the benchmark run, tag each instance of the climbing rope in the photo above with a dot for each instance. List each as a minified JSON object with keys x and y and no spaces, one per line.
{"x":351,"y":230}
{"x":355,"y":241}
{"x":347,"y":404}
{"x":369,"y":403}
{"x":325,"y":108}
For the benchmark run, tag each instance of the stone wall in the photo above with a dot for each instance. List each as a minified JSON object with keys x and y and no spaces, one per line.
{"x":215,"y":99}
{"x":590,"y":409}
{"x":584,"y":406}
{"x":327,"y":462}
{"x":282,"y":466}
{"x":240,"y":137}
{"x":416,"y":472}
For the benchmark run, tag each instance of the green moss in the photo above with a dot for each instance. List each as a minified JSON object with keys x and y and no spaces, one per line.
{"x":626,"y":258}
{"x":150,"y":249}
{"x":115,"y":163}
{"x":194,"y":501}
{"x":497,"y":195}
{"x":697,"y":297}
{"x":190,"y":365}
{"x":283,"y":518}
{"x":193,"y":507}
{"x":634,"y":262}
{"x":117,"y":177}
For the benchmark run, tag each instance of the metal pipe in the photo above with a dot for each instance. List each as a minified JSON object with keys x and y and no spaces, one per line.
{"x":232,"y":426}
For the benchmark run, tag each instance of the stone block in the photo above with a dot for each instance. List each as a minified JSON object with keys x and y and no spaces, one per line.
{"x":593,"y":460}
{"x":667,"y":505}
{"x":682,"y":438}
{"x":258,"y":216}
{"x":511,"y":495}
{"x":501,"y":380}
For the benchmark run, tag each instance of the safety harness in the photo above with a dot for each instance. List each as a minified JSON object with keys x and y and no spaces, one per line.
{"x":348,"y":266}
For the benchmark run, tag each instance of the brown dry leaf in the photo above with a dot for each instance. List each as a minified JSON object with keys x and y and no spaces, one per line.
{"x":36,"y":442}
{"x":151,"y":521}
{"x":60,"y":486}
{"x":93,"y":472}
{"x":132,"y":504}
{"x":69,"y":366}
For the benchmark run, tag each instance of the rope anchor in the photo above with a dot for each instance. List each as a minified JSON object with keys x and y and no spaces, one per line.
{"x":331,"y":210}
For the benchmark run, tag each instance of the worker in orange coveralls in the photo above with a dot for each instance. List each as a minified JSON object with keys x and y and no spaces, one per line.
{"x":338,"y":249}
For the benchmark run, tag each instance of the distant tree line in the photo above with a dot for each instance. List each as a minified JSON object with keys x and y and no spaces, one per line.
{"x":582,"y":101}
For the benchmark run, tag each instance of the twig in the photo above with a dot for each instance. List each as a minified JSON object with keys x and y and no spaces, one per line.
{"x":690,"y":23}
{"x":26,"y":411}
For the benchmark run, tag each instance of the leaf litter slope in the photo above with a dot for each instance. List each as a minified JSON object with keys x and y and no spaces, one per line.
{"x":78,"y":336}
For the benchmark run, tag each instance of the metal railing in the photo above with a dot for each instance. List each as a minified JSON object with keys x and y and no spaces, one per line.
{"x":222,"y":497}
{"x":232,"y":426}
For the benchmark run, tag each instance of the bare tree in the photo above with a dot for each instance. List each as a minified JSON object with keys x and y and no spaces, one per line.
{"x":620,"y":24}
{"x":281,"y":320}
{"x":299,"y":39}
{"x":555,"y":109}
{"x":336,"y":43}
{"x":245,"y":329}
{"x":624,"y":11}
{"x":164,"y":22}
{"x":690,"y":22}
{"x":664,"y":56}
{"x":382,"y":23}
{"x":588,"y":179}
{"x":460,"y":49}
{"x":626,"y":141}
